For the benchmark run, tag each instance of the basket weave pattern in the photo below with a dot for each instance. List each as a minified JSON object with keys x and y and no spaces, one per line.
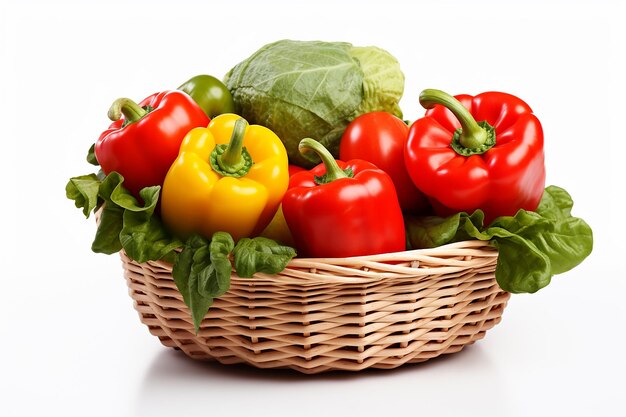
{"x":325,"y":314}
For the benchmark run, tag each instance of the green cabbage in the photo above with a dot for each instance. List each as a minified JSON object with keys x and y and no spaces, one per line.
{"x":314,"y":89}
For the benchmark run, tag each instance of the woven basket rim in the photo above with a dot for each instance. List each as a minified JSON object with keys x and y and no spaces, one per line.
{"x":446,"y":259}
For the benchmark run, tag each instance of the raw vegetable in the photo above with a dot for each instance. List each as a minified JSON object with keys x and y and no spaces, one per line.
{"x":278,"y":229}
{"x":210,"y":94}
{"x":532,"y":246}
{"x":294,"y":169}
{"x":124,"y":222}
{"x":341,"y":209}
{"x":379,"y":138}
{"x":228,"y":177}
{"x":201,"y":271}
{"x":301,"y":89}
{"x":496,"y":165}
{"x":143,"y":140}
{"x":227,"y":180}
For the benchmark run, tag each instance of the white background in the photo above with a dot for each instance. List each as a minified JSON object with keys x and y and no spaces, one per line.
{"x":71,"y":343}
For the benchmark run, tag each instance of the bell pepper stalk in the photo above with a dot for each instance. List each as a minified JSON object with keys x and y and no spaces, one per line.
{"x":342,"y":209}
{"x":229,"y":176}
{"x":144,"y":139}
{"x":210,"y":94}
{"x":495,"y":164}
{"x":379,"y":137}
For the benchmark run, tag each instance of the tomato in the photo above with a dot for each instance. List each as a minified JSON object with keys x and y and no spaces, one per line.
{"x":379,"y":137}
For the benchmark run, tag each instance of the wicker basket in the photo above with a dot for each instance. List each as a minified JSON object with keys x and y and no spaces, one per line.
{"x":326,"y":314}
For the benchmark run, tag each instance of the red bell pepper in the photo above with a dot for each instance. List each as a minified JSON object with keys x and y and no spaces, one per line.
{"x":294,"y":169}
{"x":143,"y":141}
{"x":342,"y":209}
{"x":496,"y":164}
{"x":379,"y":138}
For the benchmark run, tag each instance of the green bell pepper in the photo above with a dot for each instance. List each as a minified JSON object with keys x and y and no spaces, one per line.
{"x":210,"y":94}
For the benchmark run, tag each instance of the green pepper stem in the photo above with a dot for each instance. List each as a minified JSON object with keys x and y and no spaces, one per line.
{"x":472,"y":135}
{"x":333,"y":172}
{"x":232,"y":160}
{"x":132,"y":111}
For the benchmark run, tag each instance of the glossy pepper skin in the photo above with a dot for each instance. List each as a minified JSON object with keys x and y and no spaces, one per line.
{"x":143,"y":140}
{"x":342,"y":209}
{"x":210,"y":94}
{"x":496,"y":165}
{"x":379,"y":138}
{"x":228,"y":177}
{"x":278,"y":229}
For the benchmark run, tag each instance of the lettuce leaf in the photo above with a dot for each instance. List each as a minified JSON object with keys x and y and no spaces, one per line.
{"x":203,"y":268}
{"x":532,"y":246}
{"x":124,"y":222}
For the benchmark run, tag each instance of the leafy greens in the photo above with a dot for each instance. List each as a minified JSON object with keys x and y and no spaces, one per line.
{"x":314,"y":89}
{"x":532,"y":246}
{"x":201,"y":270}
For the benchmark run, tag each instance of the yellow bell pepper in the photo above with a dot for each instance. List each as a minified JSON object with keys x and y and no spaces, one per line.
{"x":278,"y":229}
{"x":228,"y":177}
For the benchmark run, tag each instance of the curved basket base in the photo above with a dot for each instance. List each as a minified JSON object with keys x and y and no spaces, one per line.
{"x":320,"y":326}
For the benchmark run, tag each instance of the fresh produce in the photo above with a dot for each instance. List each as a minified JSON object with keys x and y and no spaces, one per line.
{"x":532,"y":246}
{"x":379,"y":138}
{"x":278,"y":229}
{"x":213,"y":196}
{"x":294,"y":169}
{"x":496,"y":165}
{"x":301,"y":89}
{"x":144,"y":139}
{"x":210,"y":94}
{"x":228,"y":177}
{"x":341,"y":209}
{"x":201,"y":270}
{"x":124,"y":222}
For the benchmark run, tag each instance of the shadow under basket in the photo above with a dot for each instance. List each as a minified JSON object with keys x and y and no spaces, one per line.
{"x":318,"y":315}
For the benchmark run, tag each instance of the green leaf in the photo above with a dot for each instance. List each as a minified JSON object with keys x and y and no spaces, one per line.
{"x":314,"y":89}
{"x":202,"y":272}
{"x":91,"y":156}
{"x":129,"y":225}
{"x":430,"y":231}
{"x":107,"y":239}
{"x":185,"y":272}
{"x":533,"y":246}
{"x":564,"y":239}
{"x":261,"y":255}
{"x":521,"y":266}
{"x":84,"y":191}
{"x":143,"y":235}
{"x":556,"y":203}
{"x":221,"y":246}
{"x":433,"y":231}
{"x":471,"y":227}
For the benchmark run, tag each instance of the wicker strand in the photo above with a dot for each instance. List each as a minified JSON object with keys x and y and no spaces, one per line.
{"x":318,"y":315}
